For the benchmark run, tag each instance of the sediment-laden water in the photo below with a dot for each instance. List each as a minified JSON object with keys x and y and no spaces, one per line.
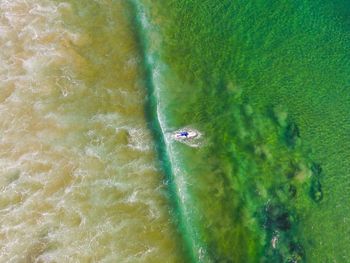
{"x":79,"y":179}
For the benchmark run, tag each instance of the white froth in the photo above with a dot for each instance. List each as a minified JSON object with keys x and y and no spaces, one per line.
{"x":69,"y":190}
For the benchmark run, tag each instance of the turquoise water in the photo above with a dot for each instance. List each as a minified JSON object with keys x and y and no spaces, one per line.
{"x":266,"y":83}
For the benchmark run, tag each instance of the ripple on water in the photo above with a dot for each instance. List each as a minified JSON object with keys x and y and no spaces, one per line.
{"x":78,"y":179}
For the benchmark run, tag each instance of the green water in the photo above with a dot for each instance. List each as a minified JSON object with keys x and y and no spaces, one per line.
{"x":266,"y":83}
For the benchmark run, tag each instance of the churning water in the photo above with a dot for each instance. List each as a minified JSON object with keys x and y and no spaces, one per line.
{"x":79,"y":180}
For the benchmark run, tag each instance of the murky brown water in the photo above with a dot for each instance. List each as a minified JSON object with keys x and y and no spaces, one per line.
{"x":78,"y":176}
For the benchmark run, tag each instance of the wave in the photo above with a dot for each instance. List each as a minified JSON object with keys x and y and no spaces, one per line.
{"x":156,"y":70}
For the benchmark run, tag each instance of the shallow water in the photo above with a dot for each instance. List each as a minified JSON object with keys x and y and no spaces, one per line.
{"x":267,"y":84}
{"x":79,"y":178}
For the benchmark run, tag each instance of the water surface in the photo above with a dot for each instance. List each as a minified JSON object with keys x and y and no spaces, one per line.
{"x":79,"y":178}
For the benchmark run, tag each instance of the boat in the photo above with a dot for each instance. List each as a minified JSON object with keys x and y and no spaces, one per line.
{"x":185,"y":135}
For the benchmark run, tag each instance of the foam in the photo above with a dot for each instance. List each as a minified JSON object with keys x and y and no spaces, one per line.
{"x":72,"y":193}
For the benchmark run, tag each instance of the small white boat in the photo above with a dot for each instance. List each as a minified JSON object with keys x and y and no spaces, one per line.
{"x":186,"y":135}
